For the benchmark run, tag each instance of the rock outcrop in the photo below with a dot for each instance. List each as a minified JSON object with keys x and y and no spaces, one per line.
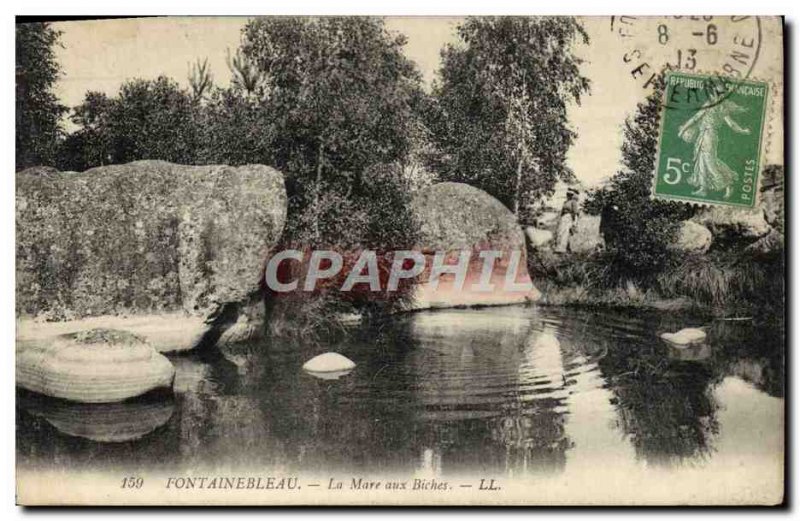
{"x":96,"y":366}
{"x":692,"y":238}
{"x":585,"y":236}
{"x":758,"y":230}
{"x":144,"y":239}
{"x":538,"y":237}
{"x":455,"y":217}
{"x":733,"y":228}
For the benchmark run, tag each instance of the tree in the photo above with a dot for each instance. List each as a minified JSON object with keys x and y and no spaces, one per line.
{"x":636,"y":228}
{"x":200,"y":79}
{"x":501,"y":121}
{"x":38,"y":112}
{"x":92,"y":144}
{"x":341,"y":94}
{"x":245,"y":76}
{"x":149,"y":119}
{"x":236,"y":129}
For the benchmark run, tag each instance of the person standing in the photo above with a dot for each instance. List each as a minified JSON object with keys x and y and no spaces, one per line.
{"x":569,"y":215}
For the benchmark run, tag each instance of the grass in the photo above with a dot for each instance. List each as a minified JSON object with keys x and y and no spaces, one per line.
{"x":729,"y":284}
{"x":305,"y":316}
{"x":722,"y":284}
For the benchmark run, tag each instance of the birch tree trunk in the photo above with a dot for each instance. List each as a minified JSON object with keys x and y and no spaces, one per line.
{"x":317,"y":188}
{"x":518,"y":183}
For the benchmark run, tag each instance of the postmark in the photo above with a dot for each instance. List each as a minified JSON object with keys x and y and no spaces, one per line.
{"x":728,"y":46}
{"x":711,"y":139}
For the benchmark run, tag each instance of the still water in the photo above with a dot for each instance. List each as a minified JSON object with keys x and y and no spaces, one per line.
{"x":510,"y":391}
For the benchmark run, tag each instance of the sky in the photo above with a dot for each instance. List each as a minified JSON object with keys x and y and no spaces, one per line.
{"x":101,"y":55}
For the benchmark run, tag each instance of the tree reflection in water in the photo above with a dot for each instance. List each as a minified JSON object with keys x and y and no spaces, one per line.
{"x":534,"y":435}
{"x":666,"y":407}
{"x":507,"y":391}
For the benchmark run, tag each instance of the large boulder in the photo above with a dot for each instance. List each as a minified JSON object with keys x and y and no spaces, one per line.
{"x":692,"y":238}
{"x":144,"y":239}
{"x":455,"y":217}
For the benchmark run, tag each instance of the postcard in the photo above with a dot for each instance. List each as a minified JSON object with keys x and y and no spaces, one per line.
{"x":497,"y":261}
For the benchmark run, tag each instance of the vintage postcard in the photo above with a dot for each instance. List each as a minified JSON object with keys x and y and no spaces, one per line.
{"x":357,"y":260}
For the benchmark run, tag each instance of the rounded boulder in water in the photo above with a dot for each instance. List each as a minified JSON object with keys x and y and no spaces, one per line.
{"x":329,"y":365}
{"x":95,"y":366}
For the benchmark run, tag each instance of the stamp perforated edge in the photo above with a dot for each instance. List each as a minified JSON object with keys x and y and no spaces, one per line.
{"x":766,"y":136}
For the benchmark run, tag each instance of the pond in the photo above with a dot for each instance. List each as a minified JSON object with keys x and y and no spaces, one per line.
{"x":514,"y":392}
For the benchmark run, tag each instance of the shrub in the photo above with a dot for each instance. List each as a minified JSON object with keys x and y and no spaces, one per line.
{"x":637,"y":229}
{"x":375,"y":216}
{"x":148,"y":119}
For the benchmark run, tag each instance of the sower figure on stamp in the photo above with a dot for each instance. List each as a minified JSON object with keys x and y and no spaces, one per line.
{"x":569,"y":215}
{"x":710,"y":172}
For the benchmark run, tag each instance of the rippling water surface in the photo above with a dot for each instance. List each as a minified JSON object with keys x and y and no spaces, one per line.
{"x":511,"y":391}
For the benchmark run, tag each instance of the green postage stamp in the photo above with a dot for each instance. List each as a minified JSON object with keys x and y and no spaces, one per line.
{"x":710,"y":147}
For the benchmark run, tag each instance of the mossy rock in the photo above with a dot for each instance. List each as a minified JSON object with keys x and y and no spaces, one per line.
{"x":112,"y":337}
{"x":455,"y":217}
{"x":143,"y":237}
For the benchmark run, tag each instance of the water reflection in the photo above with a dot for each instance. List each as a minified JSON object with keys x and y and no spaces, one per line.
{"x":104,"y":422}
{"x":665,"y":407}
{"x":503,"y":391}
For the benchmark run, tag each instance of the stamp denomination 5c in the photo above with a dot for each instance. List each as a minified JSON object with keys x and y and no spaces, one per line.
{"x":710,"y":145}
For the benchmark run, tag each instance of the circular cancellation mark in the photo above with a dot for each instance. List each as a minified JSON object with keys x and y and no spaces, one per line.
{"x":724,"y":49}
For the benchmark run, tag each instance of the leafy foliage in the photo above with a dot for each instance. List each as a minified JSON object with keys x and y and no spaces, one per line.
{"x":332,"y":102}
{"x":149,"y":119}
{"x":38,"y":112}
{"x":636,"y":228}
{"x":341,"y":95}
{"x":236,"y":129}
{"x":501,"y":120}
{"x":377,"y":217}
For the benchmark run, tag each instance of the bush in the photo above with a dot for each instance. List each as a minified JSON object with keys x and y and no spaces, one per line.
{"x":637,"y":229}
{"x":149,"y":119}
{"x":374,"y":216}
{"x":236,"y":129}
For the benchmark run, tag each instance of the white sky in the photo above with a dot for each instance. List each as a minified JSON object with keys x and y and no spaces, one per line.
{"x":100,"y":55}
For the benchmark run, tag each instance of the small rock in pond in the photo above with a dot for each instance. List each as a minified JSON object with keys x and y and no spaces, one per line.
{"x":685,"y":336}
{"x":328,"y":364}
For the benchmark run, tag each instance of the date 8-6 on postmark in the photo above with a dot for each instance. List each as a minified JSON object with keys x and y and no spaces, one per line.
{"x":710,"y":144}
